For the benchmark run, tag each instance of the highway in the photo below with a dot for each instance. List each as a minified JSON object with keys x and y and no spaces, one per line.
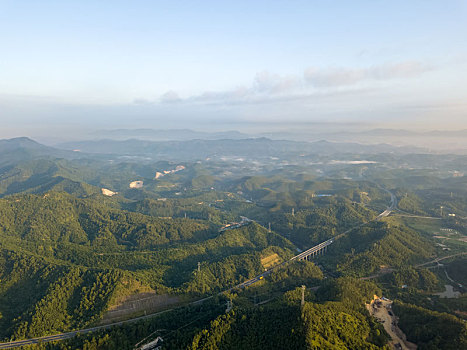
{"x":68,"y":335}
{"x":313,"y":250}
{"x":392,"y":206}
{"x":316,"y":248}
{"x":418,"y":216}
{"x":440,"y":258}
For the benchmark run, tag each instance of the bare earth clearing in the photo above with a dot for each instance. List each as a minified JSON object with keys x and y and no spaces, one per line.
{"x":380,"y":309}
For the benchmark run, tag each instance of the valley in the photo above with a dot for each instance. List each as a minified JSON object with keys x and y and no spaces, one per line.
{"x":220,"y":230}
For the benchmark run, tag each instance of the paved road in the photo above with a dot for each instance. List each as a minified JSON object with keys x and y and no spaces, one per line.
{"x":312,"y":250}
{"x":385,"y":213}
{"x":389,"y":270}
{"x":242,"y":285}
{"x":441,"y":258}
{"x":392,"y":206}
{"x":380,"y":273}
{"x":68,"y":335}
{"x":418,"y":216}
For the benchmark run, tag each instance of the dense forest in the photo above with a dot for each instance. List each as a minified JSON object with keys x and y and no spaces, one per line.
{"x":281,"y":324}
{"x":69,"y":253}
{"x":381,"y":244}
{"x":39,"y":298}
{"x":431,"y":329}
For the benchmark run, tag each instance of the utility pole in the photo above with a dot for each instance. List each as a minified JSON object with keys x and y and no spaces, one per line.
{"x":229,"y":306}
{"x":303,"y":295}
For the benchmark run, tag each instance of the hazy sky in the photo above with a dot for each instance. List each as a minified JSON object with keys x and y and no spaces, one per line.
{"x":192,"y":63}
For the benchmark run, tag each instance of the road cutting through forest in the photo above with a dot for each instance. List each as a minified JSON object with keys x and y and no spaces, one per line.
{"x":382,"y":310}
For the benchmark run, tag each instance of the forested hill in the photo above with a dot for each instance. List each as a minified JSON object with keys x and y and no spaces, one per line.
{"x":362,"y":252}
{"x":23,"y":148}
{"x":39,"y":297}
{"x":60,"y":217}
{"x":333,"y":319}
{"x":80,"y":242}
{"x":39,"y":176}
{"x":64,"y":259}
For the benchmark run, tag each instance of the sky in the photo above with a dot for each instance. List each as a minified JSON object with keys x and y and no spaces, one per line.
{"x":231,"y":64}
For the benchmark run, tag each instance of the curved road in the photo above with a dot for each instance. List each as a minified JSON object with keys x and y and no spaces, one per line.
{"x":68,"y":335}
{"x":441,"y":258}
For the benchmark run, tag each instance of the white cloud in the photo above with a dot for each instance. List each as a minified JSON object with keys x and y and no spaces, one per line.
{"x":170,"y":97}
{"x":269,"y":87}
{"x":265,"y":86}
{"x":335,"y":77}
{"x":141,"y":101}
{"x":266,"y":82}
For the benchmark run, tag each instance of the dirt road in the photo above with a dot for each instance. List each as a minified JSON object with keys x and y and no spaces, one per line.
{"x":382,"y":310}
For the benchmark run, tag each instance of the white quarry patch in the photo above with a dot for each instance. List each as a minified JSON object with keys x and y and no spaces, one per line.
{"x":107,"y":192}
{"x":162,"y":173}
{"x":136,"y":184}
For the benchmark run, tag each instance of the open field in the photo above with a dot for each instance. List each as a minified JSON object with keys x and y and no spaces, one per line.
{"x":425,"y":226}
{"x":270,"y":261}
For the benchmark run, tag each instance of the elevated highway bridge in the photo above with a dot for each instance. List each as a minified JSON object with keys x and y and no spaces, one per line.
{"x":306,"y":255}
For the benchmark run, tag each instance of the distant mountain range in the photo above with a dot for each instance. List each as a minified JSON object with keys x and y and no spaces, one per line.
{"x":453,"y":141}
{"x":23,"y":148}
{"x":365,"y":135}
{"x":402,"y":132}
{"x":165,"y":134}
{"x":251,"y":147}
{"x":188,"y":134}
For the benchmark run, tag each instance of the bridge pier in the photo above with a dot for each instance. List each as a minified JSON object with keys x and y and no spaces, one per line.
{"x":320,"y":249}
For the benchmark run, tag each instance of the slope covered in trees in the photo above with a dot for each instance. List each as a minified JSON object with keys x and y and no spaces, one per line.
{"x":64,"y":258}
{"x":431,"y":329}
{"x":67,"y":252}
{"x":59,"y":217}
{"x":341,"y":323}
{"x":364,"y":250}
{"x":38,"y":297}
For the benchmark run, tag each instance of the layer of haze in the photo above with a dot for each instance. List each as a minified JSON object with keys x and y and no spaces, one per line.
{"x":67,"y":66}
